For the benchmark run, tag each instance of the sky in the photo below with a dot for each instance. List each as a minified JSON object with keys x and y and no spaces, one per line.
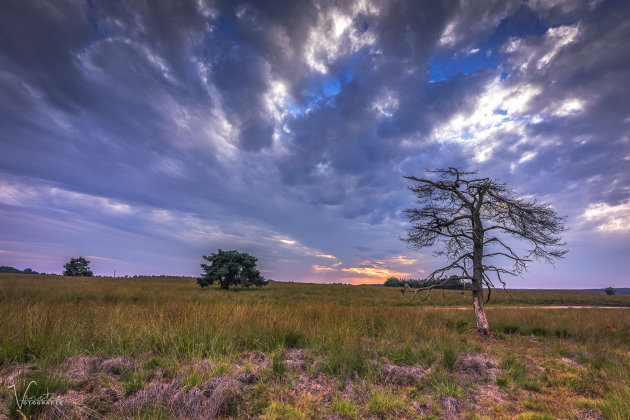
{"x":145,"y":134}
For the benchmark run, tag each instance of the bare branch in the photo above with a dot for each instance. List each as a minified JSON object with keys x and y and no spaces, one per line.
{"x":488,"y":284}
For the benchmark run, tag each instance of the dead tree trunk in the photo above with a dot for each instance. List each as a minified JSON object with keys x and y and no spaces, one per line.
{"x":480,"y":314}
{"x":477,"y":277}
{"x":477,"y":292}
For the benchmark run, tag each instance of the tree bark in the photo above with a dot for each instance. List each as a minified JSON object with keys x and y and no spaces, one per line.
{"x":480,"y":314}
{"x":477,"y":280}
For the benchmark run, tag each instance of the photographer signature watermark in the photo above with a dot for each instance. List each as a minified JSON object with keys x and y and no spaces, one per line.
{"x":44,"y":399}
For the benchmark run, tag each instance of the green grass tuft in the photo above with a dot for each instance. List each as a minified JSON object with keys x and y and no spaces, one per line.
{"x":384,"y":403}
{"x":132,"y":381}
{"x":277,"y":363}
{"x":449,"y":356}
{"x":345,"y":408}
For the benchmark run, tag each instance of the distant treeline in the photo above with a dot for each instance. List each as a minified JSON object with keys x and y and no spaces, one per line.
{"x":7,"y":269}
{"x":453,"y":283}
{"x":13,"y":270}
{"x":139,"y":276}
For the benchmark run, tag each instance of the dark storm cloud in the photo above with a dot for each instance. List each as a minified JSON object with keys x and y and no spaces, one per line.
{"x":577,"y":145}
{"x":285,"y":128}
{"x":92,"y":102}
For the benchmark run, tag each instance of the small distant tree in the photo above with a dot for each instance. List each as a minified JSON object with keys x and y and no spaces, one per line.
{"x":231,"y":268}
{"x":610,"y":291}
{"x":471,"y":222}
{"x":392,"y":282}
{"x":77,"y":267}
{"x":7,"y":269}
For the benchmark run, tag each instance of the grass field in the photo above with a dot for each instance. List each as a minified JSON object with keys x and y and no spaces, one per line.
{"x":292,"y":350}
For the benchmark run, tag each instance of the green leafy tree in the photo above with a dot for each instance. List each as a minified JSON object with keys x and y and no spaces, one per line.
{"x":392,"y":282}
{"x":231,"y":268}
{"x":7,"y":269}
{"x":610,"y":291}
{"x":77,"y":267}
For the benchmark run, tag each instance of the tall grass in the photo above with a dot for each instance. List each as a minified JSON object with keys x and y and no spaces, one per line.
{"x":167,"y":321}
{"x":54,"y":317}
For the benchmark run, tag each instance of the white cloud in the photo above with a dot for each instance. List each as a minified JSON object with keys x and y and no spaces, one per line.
{"x":65,"y":198}
{"x":569,"y":107}
{"x":205,"y":9}
{"x":401,"y":259}
{"x":527,"y":156}
{"x":448,"y":35}
{"x":504,"y":109}
{"x":473,"y":18}
{"x":298,"y":248}
{"x":334,"y":36}
{"x":375,"y":272}
{"x":37,"y":196}
{"x":94,"y":257}
{"x":386,"y":104}
{"x":540,"y":52}
{"x":564,"y":5}
{"x":499,"y":109}
{"x":276,"y":99}
{"x":12,"y":195}
{"x":330,"y":257}
{"x":558,"y":37}
{"x":608,"y":218}
{"x":316,"y":267}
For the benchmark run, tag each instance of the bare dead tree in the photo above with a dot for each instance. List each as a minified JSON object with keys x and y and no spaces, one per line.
{"x":472,"y":222}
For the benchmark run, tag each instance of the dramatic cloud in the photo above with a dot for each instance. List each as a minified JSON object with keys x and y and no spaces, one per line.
{"x":609,"y":218}
{"x":147,"y":134}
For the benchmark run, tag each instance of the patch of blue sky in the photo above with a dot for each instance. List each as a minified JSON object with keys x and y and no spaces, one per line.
{"x":313,"y":99}
{"x":322,"y":90}
{"x":352,"y":62}
{"x":226,"y":25}
{"x":348,"y":76}
{"x":445,"y":67}
{"x":294,"y":109}
{"x":331,"y":87}
{"x":100,"y":27}
{"x":535,"y":119}
{"x":522,"y":24}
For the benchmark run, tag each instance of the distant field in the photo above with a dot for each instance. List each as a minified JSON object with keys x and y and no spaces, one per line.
{"x":618,"y":290}
{"x":551,"y":364}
